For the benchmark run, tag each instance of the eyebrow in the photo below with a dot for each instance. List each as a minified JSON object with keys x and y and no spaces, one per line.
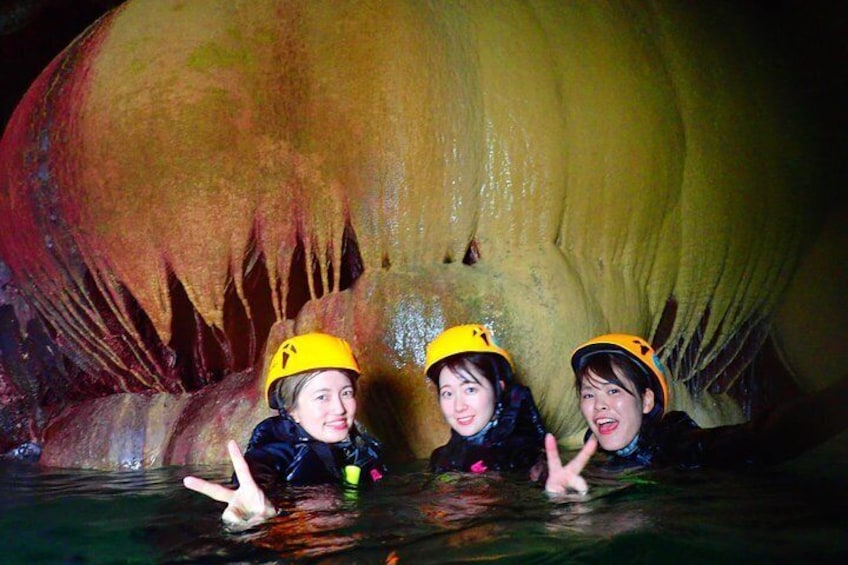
{"x":329,"y":389}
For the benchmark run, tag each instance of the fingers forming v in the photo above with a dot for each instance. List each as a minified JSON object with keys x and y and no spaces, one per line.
{"x":245,"y":479}
{"x":582,"y":458}
{"x":212,"y":490}
{"x":552,"y":452}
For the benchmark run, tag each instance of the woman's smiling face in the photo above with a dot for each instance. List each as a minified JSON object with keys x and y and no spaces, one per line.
{"x":467,"y":404}
{"x":614,"y":413}
{"x":326,"y":406}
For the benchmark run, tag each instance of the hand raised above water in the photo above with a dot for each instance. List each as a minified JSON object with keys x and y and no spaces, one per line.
{"x":561,"y":477}
{"x":247,"y":505}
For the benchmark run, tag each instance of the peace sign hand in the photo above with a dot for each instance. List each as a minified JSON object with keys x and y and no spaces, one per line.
{"x":561,"y":478}
{"x":247,"y":505}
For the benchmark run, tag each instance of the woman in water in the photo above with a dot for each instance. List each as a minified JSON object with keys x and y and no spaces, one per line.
{"x":311,"y":380}
{"x":495,"y":424}
{"x":624,"y":398}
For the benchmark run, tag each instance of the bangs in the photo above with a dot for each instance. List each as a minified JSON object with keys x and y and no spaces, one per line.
{"x":598,"y":371}
{"x":461,"y":368}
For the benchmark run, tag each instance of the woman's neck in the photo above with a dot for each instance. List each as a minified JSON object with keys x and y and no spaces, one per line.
{"x":629,"y":448}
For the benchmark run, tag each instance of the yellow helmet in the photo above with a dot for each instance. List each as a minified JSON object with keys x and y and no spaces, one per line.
{"x":469,"y":338}
{"x":309,"y":352}
{"x":635,"y":348}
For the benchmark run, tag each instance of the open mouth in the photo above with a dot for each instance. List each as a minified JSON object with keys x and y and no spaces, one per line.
{"x":606,"y":425}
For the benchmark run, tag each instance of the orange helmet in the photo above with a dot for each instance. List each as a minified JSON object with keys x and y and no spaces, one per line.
{"x":635,"y":348}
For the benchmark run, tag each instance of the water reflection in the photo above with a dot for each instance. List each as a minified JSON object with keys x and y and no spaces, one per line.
{"x":781,"y":515}
{"x":454,"y":499}
{"x":312,"y":521}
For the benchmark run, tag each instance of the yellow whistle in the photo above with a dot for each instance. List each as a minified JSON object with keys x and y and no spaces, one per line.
{"x":351,"y":474}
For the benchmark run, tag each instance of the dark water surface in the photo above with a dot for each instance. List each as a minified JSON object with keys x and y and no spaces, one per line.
{"x":793,"y":513}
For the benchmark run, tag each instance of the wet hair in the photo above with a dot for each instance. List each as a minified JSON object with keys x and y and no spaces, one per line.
{"x":285,"y":391}
{"x":602,"y":366}
{"x":492,"y":366}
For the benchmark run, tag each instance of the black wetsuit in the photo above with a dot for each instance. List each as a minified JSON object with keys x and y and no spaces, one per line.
{"x":513,"y":440}
{"x":280,"y":452}
{"x":676,"y":440}
{"x":775,"y":436}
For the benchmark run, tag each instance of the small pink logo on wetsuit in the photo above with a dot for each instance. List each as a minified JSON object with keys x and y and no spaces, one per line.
{"x":479,"y":467}
{"x":376,"y":475}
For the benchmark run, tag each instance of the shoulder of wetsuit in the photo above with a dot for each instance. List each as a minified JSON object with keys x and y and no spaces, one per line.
{"x":441,"y":460}
{"x":273,"y":430}
{"x":677,"y":440}
{"x":517,"y":396}
{"x":456,"y":455}
{"x":531,"y":418}
{"x":675,"y":422}
{"x":435,"y":456}
{"x":269,"y":461}
{"x":314,"y":464}
{"x":522,"y":446}
{"x":519,"y":414}
{"x":495,"y":451}
{"x":671,"y":424}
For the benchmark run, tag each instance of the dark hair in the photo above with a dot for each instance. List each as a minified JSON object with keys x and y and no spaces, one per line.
{"x":602,"y":364}
{"x":491,"y":365}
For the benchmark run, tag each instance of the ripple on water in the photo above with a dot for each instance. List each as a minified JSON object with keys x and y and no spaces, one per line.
{"x":778,"y":515}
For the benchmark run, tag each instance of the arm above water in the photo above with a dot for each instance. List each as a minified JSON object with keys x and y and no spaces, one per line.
{"x":247,"y":506}
{"x":780,"y":434}
{"x":791,"y":429}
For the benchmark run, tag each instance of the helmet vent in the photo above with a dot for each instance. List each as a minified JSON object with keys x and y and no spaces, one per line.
{"x":484,"y":337}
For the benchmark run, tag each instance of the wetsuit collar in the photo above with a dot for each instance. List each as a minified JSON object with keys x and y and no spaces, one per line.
{"x":629,"y":448}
